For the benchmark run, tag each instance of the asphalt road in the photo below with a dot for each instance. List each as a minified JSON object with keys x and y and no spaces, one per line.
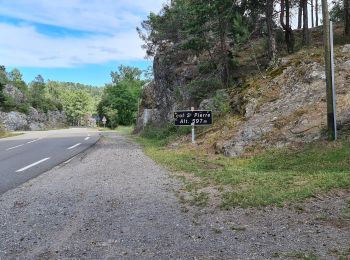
{"x":26,"y":156}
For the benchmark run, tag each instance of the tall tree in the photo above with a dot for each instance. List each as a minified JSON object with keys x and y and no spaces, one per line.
{"x":306,"y":33}
{"x":3,"y":80}
{"x":300,"y":14}
{"x":347,"y":16}
{"x":289,"y":36}
{"x":272,"y":46}
{"x":312,"y":14}
{"x":37,"y":90}
{"x":316,"y":12}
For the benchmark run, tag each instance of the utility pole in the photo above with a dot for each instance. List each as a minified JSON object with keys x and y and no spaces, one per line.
{"x":331,"y":125}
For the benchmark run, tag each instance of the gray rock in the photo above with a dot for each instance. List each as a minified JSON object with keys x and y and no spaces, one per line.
{"x":217,"y":103}
{"x":35,"y":120}
{"x":346,"y":48}
{"x":15,"y":93}
{"x":14,"y":121}
{"x":346,"y":65}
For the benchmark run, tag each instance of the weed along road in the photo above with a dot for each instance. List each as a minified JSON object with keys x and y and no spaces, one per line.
{"x":26,"y":156}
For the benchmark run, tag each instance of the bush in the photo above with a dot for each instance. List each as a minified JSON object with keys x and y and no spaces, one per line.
{"x":202,"y":89}
{"x":164,"y":134}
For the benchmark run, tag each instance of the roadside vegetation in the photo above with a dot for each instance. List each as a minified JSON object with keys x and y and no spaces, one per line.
{"x":274,"y":177}
{"x":5,"y":134}
{"x":117,"y":101}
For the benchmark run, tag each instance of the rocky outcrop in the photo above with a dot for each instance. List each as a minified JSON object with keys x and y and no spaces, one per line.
{"x":282,"y":107}
{"x":14,"y":121}
{"x":169,"y":91}
{"x":290,"y":108}
{"x":16,"y":94}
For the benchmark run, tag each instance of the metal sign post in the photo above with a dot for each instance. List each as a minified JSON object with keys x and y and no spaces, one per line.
{"x":104,"y":120}
{"x":193,"y":118}
{"x":333,"y":81}
{"x":193,"y":133}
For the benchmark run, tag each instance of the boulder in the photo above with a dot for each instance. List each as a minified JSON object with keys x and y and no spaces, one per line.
{"x":14,"y":121}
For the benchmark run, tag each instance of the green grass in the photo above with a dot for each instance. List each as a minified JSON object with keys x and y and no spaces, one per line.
{"x":8,"y":134}
{"x":274,"y":177}
{"x":125,"y":130}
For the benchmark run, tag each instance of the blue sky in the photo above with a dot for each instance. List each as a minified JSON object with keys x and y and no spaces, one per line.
{"x":72,"y":40}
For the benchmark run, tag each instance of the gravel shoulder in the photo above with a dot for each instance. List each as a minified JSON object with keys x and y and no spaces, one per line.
{"x":113,"y":202}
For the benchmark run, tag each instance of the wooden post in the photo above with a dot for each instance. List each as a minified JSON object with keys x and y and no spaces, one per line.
{"x":334,"y":106}
{"x":328,"y":68}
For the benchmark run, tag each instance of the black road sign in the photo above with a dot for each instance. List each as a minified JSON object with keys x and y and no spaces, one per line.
{"x":195,"y":117}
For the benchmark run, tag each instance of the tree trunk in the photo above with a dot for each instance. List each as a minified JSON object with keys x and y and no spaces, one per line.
{"x":312,"y":14}
{"x":272,"y":47}
{"x":224,"y":52}
{"x":347,"y":16}
{"x":306,"y":33}
{"x":316,"y":12}
{"x":289,"y":37}
{"x":300,"y":14}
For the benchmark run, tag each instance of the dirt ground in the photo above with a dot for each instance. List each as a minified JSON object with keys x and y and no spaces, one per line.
{"x":113,"y":202}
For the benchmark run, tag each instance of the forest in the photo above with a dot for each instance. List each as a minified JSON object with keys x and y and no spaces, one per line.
{"x":116,"y":101}
{"x":215,"y":30}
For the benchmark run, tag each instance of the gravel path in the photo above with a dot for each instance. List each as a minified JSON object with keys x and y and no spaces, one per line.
{"x":113,"y":202}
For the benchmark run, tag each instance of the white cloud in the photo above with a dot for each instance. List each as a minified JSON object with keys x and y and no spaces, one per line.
{"x":24,"y":46}
{"x":94,"y":15}
{"x":110,"y":27}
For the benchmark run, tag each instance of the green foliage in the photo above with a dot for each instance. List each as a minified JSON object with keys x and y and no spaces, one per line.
{"x":3,"y":81}
{"x":202,"y":89}
{"x":38,"y":96}
{"x":163,"y":135}
{"x":77,"y":100}
{"x":201,"y":28}
{"x":119,"y":103}
{"x":337,"y":12}
{"x":126,"y":73}
{"x":120,"y":98}
{"x":221,"y":102}
{"x":112,"y":114}
{"x":207,"y":67}
{"x":77,"y":104}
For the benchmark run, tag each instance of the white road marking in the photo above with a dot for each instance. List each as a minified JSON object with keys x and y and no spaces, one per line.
{"x":33,"y":164}
{"x":8,"y":149}
{"x":87,"y":138}
{"x":33,"y":141}
{"x":73,"y":146}
{"x":11,"y":148}
{"x":69,"y":160}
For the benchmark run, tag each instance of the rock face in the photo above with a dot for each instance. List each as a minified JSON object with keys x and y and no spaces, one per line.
{"x":289,"y":109}
{"x":14,"y":121}
{"x":16,"y":94}
{"x":169,"y":91}
{"x":287,"y":106}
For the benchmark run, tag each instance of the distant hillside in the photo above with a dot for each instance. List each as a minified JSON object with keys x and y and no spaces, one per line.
{"x":41,"y":105}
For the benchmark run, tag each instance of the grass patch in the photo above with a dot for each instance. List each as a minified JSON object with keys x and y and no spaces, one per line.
{"x":125,"y":130}
{"x":8,"y":134}
{"x":296,"y":255}
{"x":160,"y":136}
{"x":272,"y":178}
